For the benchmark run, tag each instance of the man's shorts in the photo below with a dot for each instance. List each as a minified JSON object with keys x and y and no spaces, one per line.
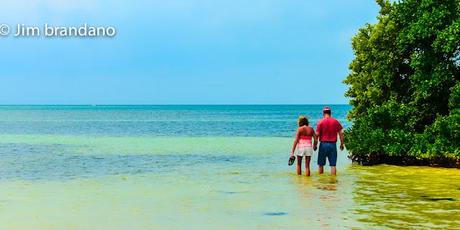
{"x":327,"y":150}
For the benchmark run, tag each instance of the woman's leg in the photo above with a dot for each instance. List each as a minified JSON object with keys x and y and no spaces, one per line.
{"x":307,"y":165}
{"x":299,"y":165}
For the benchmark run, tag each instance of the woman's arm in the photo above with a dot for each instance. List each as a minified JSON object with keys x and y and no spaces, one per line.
{"x":315,"y":140}
{"x":296,"y":140}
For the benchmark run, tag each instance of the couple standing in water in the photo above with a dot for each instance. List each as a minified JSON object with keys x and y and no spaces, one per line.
{"x":327,"y":130}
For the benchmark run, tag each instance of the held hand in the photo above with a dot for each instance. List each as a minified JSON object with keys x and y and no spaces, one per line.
{"x":341,"y":146}
{"x":315,"y":147}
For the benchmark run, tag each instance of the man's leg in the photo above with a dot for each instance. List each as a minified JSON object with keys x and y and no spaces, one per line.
{"x":333,"y":170}
{"x":333,"y":159}
{"x":321,"y":158}
{"x":299,"y":165}
{"x":320,"y":169}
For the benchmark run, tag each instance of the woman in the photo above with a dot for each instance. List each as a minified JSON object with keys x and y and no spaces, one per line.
{"x":303,"y":144}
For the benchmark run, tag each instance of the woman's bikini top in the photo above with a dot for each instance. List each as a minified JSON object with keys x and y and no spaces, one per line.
{"x":305,"y":141}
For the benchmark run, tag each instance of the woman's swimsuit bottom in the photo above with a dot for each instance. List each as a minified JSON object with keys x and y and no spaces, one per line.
{"x":304,"y":146}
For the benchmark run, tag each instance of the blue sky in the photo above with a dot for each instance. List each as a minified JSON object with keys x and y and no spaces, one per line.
{"x":183,"y":52}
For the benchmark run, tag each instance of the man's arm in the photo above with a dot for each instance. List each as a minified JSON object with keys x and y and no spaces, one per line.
{"x":341,"y":140}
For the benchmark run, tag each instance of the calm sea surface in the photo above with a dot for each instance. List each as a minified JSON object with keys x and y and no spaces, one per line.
{"x":198,"y":167}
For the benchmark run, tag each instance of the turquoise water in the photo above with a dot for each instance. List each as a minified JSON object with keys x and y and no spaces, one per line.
{"x":60,"y":142}
{"x":203,"y":167}
{"x":243,"y":120}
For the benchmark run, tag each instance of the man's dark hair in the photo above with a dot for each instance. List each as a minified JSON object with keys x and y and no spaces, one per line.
{"x":327,"y":112}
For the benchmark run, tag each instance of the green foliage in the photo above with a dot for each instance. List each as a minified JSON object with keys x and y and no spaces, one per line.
{"x":404,"y":82}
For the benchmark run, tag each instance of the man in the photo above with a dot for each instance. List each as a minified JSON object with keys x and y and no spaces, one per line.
{"x":327,"y":130}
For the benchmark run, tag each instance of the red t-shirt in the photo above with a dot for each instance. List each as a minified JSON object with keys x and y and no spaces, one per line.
{"x":328,"y":128}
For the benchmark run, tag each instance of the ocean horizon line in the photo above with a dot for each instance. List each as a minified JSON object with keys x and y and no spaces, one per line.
{"x":255,"y":104}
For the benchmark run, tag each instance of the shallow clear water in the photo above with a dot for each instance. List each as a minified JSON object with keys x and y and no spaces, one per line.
{"x":204,"y":167}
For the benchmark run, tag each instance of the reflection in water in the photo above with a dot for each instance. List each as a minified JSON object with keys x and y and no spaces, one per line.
{"x":325,"y":200}
{"x":410,"y":197}
{"x":327,"y":183}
